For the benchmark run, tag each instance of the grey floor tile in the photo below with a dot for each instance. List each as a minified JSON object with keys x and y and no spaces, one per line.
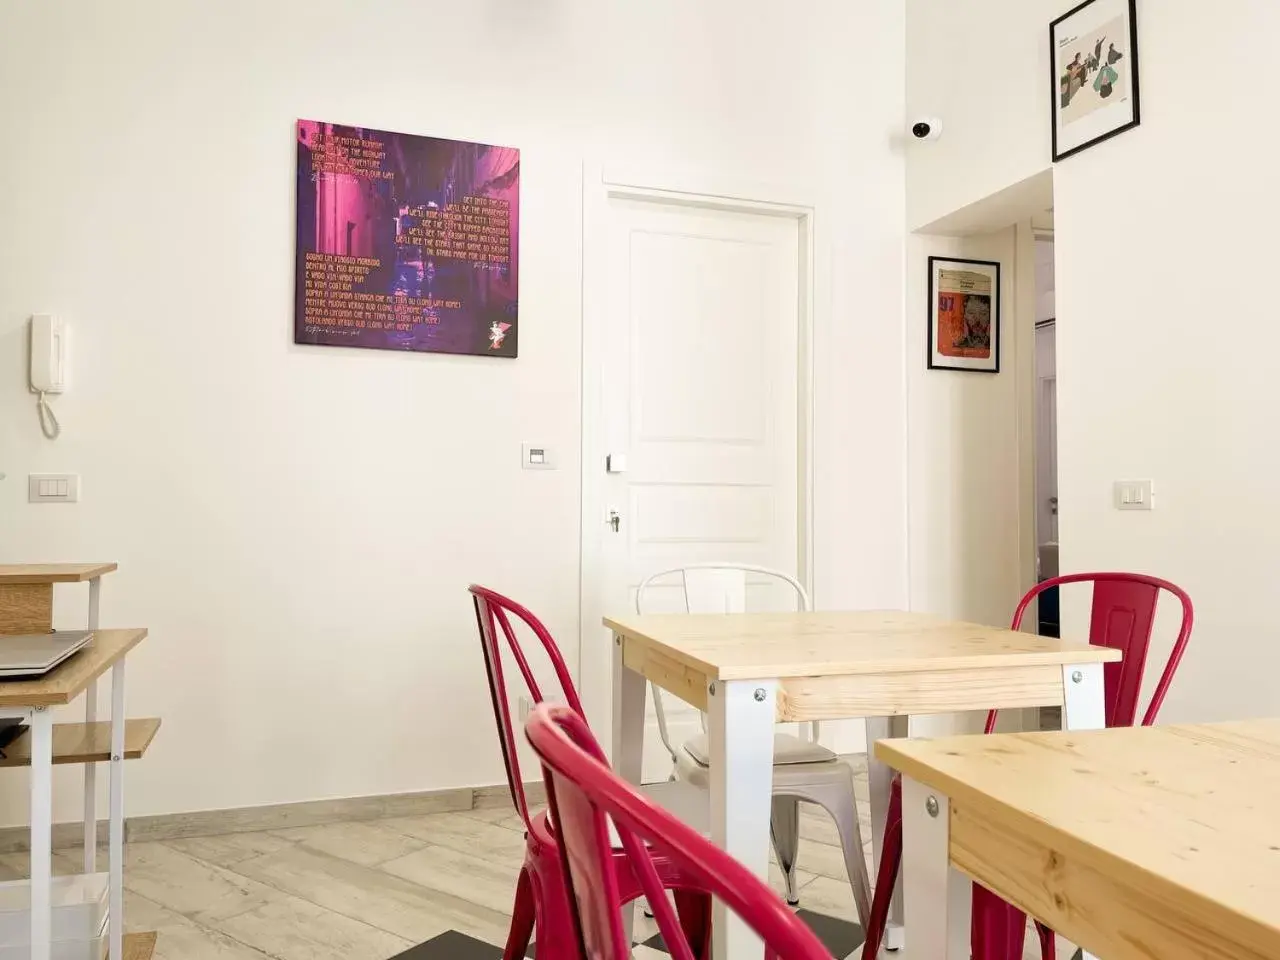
{"x":198,"y":890}
{"x":179,"y":938}
{"x":449,"y":871}
{"x":377,"y":898}
{"x":293,"y":929}
{"x":464,"y":834}
{"x":229,"y":849}
{"x":366,"y":842}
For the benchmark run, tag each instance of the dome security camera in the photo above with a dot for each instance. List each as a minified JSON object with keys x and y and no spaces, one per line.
{"x":926,"y":128}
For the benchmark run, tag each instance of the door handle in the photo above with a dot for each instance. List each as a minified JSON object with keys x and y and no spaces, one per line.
{"x":614,"y":520}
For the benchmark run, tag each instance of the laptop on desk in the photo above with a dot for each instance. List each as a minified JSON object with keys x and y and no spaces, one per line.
{"x":35,"y":654}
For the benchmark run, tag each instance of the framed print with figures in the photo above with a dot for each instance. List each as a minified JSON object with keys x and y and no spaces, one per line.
{"x":964,"y":315}
{"x":1093,"y":56}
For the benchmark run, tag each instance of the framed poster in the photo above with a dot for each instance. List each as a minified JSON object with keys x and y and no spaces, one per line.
{"x":406,"y":242}
{"x":1093,"y":56}
{"x":964,"y":315}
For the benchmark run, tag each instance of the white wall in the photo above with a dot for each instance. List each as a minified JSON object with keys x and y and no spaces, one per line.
{"x":968,"y":536}
{"x":1164,"y":240}
{"x":983,"y":69}
{"x":297,"y":526}
{"x":963,"y":451}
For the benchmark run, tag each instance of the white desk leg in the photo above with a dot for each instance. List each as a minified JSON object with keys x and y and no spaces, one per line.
{"x":741,"y":716}
{"x":880,"y":778}
{"x":91,"y":769}
{"x":41,"y":830}
{"x":939,"y":898}
{"x":628,"y":734}
{"x":1084,"y":704}
{"x":115,"y":831}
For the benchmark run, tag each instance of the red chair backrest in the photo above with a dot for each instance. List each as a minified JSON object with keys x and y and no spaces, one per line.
{"x":1124,"y":608}
{"x":582,"y":790}
{"x":492,"y":611}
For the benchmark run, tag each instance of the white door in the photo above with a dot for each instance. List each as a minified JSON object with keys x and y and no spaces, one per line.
{"x":700,"y":385}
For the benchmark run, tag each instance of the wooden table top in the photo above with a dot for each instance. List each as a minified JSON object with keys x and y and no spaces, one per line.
{"x":52,"y":572}
{"x":760,"y":646}
{"x":69,"y":679}
{"x":1136,"y":842}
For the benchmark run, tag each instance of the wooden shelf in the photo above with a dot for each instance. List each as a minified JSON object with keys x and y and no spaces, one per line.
{"x":85,"y":742}
{"x":69,"y":679}
{"x":52,"y":572}
{"x":139,"y":946}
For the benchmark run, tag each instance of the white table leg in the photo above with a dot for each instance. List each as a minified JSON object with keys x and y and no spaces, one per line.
{"x":41,"y":830}
{"x":115,"y":831}
{"x":628,"y":718}
{"x":91,"y":769}
{"x":741,"y":716}
{"x":1084,"y":697}
{"x":938,"y":898}
{"x":879,"y":779}
{"x":1084,"y":705}
{"x":628,"y":734}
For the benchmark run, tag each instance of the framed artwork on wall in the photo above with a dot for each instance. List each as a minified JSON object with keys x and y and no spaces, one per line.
{"x":1093,"y":59}
{"x":964,"y":315}
{"x":406,"y":242}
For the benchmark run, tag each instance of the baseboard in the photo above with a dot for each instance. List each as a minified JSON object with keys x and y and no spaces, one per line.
{"x":308,"y":813}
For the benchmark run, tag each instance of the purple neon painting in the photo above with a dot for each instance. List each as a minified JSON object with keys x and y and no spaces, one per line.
{"x":406,"y":242}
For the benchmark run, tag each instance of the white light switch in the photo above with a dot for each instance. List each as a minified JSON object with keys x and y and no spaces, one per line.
{"x":536,"y":456}
{"x":1135,"y":495}
{"x":53,"y":488}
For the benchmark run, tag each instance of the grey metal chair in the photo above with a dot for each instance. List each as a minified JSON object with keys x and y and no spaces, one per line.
{"x":803,"y":769}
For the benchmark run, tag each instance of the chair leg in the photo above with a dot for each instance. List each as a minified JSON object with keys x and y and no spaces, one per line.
{"x":1048,"y":942}
{"x":845,"y":814}
{"x":694,"y":910}
{"x":887,"y":876}
{"x":998,"y":929}
{"x":784,"y":831}
{"x":522,"y":919}
{"x":838,"y":800}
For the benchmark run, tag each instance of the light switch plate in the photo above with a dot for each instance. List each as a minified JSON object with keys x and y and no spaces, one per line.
{"x":53,"y":488}
{"x":537,"y":456}
{"x":1135,"y":495}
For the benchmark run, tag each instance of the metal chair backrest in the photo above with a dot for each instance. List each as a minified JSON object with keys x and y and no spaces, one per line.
{"x":713,"y":588}
{"x":492,"y":618}
{"x":583,"y":791}
{"x":1123,"y":612}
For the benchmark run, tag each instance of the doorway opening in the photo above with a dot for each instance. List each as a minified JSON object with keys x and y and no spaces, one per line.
{"x":1046,"y":433}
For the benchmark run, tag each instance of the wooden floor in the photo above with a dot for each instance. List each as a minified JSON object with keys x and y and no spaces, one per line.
{"x":369,"y":890}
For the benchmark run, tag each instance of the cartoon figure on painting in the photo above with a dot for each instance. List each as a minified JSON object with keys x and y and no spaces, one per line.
{"x":497,"y":333}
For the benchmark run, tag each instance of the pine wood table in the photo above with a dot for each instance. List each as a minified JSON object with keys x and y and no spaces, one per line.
{"x":1136,"y":843}
{"x":748,"y":671}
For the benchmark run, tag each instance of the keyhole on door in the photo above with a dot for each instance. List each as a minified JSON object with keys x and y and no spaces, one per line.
{"x":615,"y":520}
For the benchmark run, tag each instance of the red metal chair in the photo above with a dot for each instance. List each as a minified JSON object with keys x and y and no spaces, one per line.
{"x":1124,"y":607}
{"x":540,"y":901}
{"x":583,"y":790}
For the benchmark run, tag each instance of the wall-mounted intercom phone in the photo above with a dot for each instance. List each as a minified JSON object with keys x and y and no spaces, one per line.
{"x":48,"y":366}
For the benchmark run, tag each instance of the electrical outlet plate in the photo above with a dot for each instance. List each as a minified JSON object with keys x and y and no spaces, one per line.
{"x":537,"y":456}
{"x":1134,"y":495}
{"x":53,"y":488}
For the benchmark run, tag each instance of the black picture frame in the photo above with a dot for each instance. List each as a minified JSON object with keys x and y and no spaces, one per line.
{"x":1055,"y":92}
{"x":963,"y":365}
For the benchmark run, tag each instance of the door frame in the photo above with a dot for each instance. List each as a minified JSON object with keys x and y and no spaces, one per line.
{"x":600,"y":185}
